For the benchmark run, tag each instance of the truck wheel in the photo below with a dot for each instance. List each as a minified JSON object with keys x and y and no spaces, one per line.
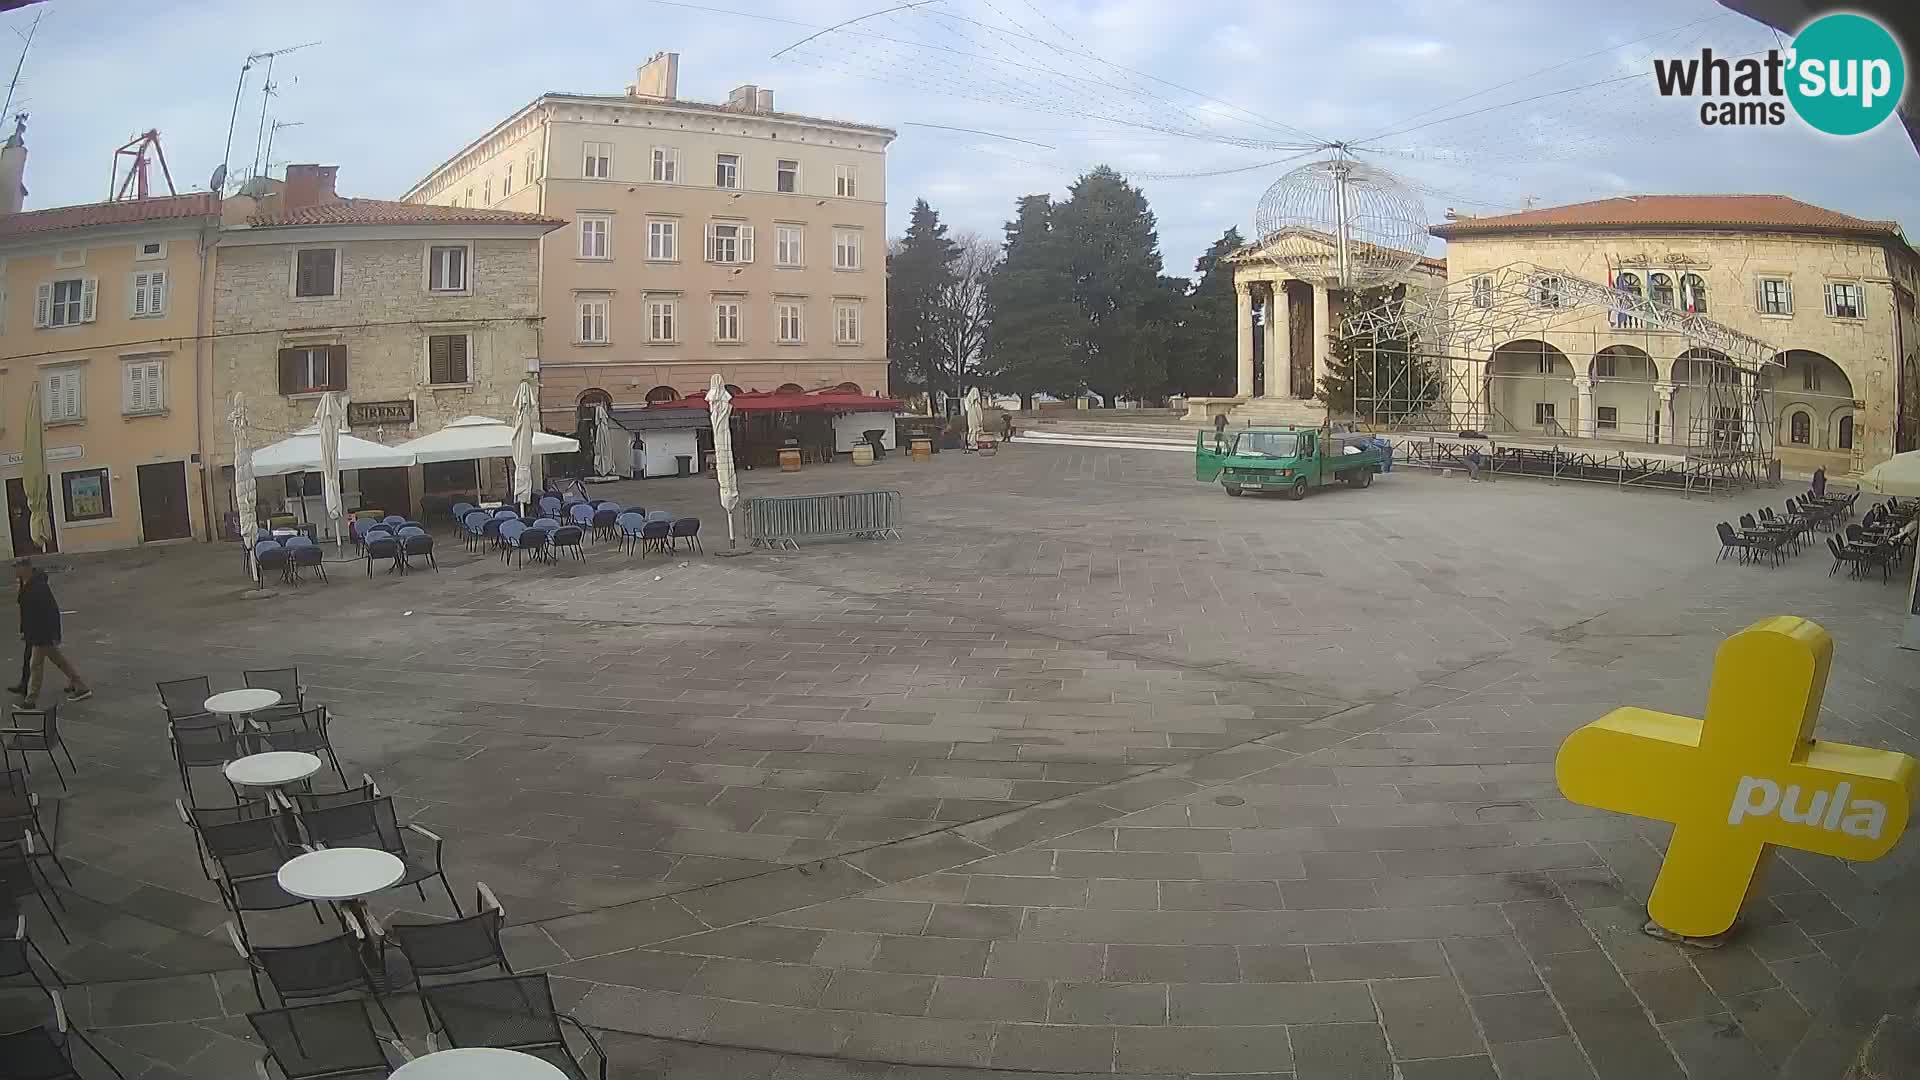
{"x":1235,"y":492}
{"x":1299,"y":489}
{"x":1366,"y":478}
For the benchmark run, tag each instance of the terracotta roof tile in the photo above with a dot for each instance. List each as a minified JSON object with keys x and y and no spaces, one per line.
{"x":388,"y":212}
{"x":1679,"y":211}
{"x":130,"y":212}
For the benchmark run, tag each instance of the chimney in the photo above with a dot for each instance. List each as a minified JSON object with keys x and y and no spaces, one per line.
{"x":743,"y":98}
{"x":308,"y":185}
{"x":658,"y":78}
{"x":13,"y":167}
{"x":764,"y":102}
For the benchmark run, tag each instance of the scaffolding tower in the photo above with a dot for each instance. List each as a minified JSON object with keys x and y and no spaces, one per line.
{"x":1657,"y":396}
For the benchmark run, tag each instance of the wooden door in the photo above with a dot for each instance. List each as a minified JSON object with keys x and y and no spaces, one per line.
{"x":163,"y":502}
{"x":21,"y":525}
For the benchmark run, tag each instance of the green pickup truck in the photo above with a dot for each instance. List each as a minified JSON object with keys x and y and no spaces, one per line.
{"x":1290,"y":459}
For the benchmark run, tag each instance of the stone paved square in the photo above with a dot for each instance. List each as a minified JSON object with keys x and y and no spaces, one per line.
{"x":1093,"y":771}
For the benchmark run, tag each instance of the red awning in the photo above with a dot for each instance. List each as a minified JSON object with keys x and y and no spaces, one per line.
{"x":831,"y":401}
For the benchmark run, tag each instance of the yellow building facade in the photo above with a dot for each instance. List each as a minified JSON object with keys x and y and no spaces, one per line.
{"x":103,"y":309}
{"x":699,"y":238}
{"x":1831,"y":294}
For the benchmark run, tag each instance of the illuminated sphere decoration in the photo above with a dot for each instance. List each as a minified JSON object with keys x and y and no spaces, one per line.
{"x":1299,"y":223}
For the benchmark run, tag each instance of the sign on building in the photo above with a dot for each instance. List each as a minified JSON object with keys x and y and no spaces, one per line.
{"x":1748,"y":777}
{"x":372,"y":413}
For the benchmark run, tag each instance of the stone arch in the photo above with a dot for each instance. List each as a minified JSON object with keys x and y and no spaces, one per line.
{"x":1803,"y":380}
{"x":592,"y":396}
{"x":789,"y":388}
{"x":1624,"y":403}
{"x":1530,"y":388}
{"x":660,"y":395}
{"x":1842,"y":429}
{"x":1705,"y":410}
{"x":1797,"y":427}
{"x":847,"y":388}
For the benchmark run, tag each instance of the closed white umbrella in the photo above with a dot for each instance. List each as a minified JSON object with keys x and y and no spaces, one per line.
{"x":720,"y":410}
{"x":526,"y":412}
{"x":976,"y":420}
{"x":33,"y":476}
{"x":327,"y":418}
{"x":244,"y":495}
{"x":603,"y":463}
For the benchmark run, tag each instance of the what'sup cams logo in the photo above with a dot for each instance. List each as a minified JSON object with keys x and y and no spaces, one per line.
{"x":1843,"y":75}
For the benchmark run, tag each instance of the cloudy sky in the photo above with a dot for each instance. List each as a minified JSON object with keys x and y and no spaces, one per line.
{"x":1482,"y":106}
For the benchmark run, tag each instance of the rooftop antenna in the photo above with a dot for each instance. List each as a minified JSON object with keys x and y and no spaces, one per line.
{"x":267,"y":88}
{"x":14,"y":83}
{"x":134,"y":186}
{"x":271,"y":132}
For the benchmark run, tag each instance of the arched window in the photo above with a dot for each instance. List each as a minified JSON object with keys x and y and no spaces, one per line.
{"x":847,"y":388}
{"x":790,"y":388}
{"x":1660,"y":289}
{"x":1693,"y":294}
{"x":1627,"y":282}
{"x":660,"y":395}
{"x":594,"y":396}
{"x":1802,"y":429}
{"x":1846,"y":433}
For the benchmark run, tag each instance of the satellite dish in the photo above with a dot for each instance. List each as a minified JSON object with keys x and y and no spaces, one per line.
{"x":218,"y":180}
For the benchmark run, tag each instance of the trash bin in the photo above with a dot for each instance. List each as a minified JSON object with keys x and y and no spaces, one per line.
{"x":685,"y":462}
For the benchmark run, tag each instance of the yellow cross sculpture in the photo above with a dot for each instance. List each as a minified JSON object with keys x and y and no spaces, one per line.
{"x":1749,"y":776}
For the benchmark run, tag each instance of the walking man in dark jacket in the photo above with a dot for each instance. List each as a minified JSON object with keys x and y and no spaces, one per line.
{"x":40,"y":628}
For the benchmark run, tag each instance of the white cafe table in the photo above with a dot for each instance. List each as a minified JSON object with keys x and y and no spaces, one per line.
{"x":272,"y":769}
{"x":345,"y":875}
{"x":478,"y":1063}
{"x":241,"y":703}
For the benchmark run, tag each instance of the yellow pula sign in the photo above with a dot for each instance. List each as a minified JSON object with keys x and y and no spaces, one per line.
{"x":1749,"y":776}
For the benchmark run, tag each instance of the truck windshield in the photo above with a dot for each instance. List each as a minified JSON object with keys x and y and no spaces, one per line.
{"x":1266,"y":444}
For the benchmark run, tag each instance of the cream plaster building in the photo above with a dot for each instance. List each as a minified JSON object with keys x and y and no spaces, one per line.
{"x":1287,"y":315}
{"x":700,"y":238}
{"x":1832,"y":293}
{"x":420,"y":314}
{"x":102,"y":307}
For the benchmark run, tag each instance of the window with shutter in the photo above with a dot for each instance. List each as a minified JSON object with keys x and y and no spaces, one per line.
{"x":746,"y":243}
{"x":1775,"y":296}
{"x":43,"y":305}
{"x":64,"y":399}
{"x":447,"y":359}
{"x":312,"y":369}
{"x":314,"y":272}
{"x":149,"y":293}
{"x":145,"y":386}
{"x":89,"y":292}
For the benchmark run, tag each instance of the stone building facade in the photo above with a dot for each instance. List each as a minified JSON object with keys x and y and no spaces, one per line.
{"x":1833,"y":294}
{"x":700,"y":238}
{"x":421,"y":315}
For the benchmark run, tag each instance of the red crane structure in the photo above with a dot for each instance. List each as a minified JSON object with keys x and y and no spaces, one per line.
{"x":143,"y":150}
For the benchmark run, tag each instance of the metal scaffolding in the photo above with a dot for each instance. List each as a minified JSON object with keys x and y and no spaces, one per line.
{"x":1653,"y":395}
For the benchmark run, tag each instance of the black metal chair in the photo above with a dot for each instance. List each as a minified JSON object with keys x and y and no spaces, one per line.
{"x":185,"y":699}
{"x":20,"y":812}
{"x":1733,"y":543}
{"x":455,"y":946}
{"x":284,"y":681}
{"x":248,"y":855}
{"x":36,"y":731}
{"x":514,"y":1012}
{"x":321,"y":969}
{"x":46,"y":1052}
{"x":333,"y":1040}
{"x":373,"y":823}
{"x":308,"y":801}
{"x":19,"y":879}
{"x":17,"y":954}
{"x":205,"y":746}
{"x":304,"y":731}
{"x":197,"y":817}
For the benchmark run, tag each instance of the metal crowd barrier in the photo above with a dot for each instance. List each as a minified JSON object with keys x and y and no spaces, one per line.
{"x":784,"y":520}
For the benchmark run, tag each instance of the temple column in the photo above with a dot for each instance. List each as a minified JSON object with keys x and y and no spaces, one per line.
{"x":1322,"y":332}
{"x":1668,"y":433}
{"x":1279,"y":344}
{"x":1243,"y":320}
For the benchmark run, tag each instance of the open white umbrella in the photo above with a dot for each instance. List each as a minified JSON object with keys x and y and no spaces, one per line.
{"x":720,"y":410}
{"x":1898,"y":475}
{"x":328,"y":419}
{"x":471,"y":438}
{"x":603,"y":440}
{"x":300,"y":452}
{"x":245,"y":497}
{"x":526,"y":413}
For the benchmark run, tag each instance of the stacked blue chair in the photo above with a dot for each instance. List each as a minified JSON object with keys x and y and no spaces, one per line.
{"x":509,"y":531}
{"x":381,"y":544}
{"x":474,"y":525}
{"x":567,"y":538}
{"x":269,"y":555}
{"x":630,"y":522}
{"x":303,"y":552}
{"x":655,"y":533}
{"x":550,"y":506}
{"x":686,"y":528}
{"x":581,"y":514}
{"x":416,"y":542}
